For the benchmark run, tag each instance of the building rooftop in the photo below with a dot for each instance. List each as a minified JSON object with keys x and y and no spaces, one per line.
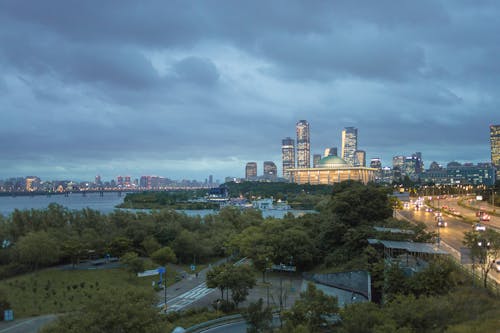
{"x":332,"y":162}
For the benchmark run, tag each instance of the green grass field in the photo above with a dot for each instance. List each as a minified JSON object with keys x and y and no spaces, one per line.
{"x":57,"y":291}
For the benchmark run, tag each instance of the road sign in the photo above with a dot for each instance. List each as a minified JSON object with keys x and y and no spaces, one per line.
{"x":8,"y":315}
{"x":148,"y":273}
{"x":193,"y":268}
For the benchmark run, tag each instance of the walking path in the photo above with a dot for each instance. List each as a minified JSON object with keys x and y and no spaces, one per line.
{"x":187,"y":291}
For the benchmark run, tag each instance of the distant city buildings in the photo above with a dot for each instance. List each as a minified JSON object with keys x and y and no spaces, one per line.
{"x":460,"y":174}
{"x":360,"y":158}
{"x":251,"y":171}
{"x":332,"y":151}
{"x":349,"y":145}
{"x":270,"y":170}
{"x":495,"y":147}
{"x":303,"y":144}
{"x":288,"y":156}
{"x":316,"y":159}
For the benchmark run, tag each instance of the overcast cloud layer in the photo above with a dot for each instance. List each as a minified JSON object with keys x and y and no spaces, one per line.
{"x":187,"y":89}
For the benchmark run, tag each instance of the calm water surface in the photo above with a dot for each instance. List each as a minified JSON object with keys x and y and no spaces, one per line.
{"x":105,"y":204}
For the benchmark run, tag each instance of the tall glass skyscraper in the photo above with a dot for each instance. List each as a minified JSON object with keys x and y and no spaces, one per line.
{"x":288,"y":155}
{"x":303,"y":144}
{"x":495,"y":147}
{"x":349,"y":144}
{"x":251,"y":171}
{"x":270,"y":170}
{"x":360,"y":158}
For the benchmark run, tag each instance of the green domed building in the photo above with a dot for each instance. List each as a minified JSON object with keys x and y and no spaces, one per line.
{"x":331,"y":170}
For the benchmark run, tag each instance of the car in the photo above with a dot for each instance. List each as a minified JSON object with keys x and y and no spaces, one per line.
{"x":442,"y":223}
{"x":496,"y":265}
{"x":428,"y":209}
{"x":484,"y":218}
{"x":479,"y":227}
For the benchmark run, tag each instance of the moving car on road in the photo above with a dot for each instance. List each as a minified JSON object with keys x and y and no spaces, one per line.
{"x":496,"y":265}
{"x":479,"y":227}
{"x":441,"y":222}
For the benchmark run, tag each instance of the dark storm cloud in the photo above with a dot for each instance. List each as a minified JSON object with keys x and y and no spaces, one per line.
{"x":89,"y":85}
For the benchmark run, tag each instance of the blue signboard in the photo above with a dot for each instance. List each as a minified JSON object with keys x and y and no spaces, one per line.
{"x":193,"y":267}
{"x":8,"y":315}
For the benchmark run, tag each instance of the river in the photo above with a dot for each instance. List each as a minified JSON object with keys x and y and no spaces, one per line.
{"x":104,"y":204}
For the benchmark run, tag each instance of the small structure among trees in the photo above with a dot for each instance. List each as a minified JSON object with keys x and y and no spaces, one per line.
{"x":409,"y":256}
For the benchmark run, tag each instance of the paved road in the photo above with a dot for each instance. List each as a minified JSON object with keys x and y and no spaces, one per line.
{"x":239,"y":327}
{"x":27,"y":325}
{"x":452,"y":235}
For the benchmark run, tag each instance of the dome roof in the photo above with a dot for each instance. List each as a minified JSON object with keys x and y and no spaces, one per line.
{"x":332,"y":162}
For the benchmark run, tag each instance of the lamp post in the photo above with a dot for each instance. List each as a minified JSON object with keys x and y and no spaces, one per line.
{"x":165,"y":279}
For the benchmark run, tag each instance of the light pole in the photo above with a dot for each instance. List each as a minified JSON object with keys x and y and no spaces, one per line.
{"x":165,"y":289}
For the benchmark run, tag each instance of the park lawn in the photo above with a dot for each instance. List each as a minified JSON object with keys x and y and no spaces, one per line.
{"x":59,"y":291}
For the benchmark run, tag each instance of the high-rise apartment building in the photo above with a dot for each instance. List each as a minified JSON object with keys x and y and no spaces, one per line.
{"x":360,"y":158}
{"x":349,"y":144}
{"x":251,"y":171}
{"x":303,"y":144}
{"x":376,"y":163}
{"x":270,"y":170}
{"x":495,"y":147}
{"x":288,"y":155}
{"x":332,"y":151}
{"x":316,"y":159}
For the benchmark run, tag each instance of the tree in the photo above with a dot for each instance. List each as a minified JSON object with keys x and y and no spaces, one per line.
{"x":133,"y":263}
{"x":216,"y":278}
{"x":258,"y":318}
{"x":74,"y":249}
{"x":185,"y":245}
{"x":363,"y":318}
{"x":313,"y":308}
{"x":241,"y":280}
{"x":120,"y":245}
{"x":484,"y":248}
{"x":150,"y":245}
{"x":164,"y":256}
{"x":238,"y":279}
{"x":37,"y":248}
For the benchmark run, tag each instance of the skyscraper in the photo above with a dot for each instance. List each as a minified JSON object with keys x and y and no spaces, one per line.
{"x":288,"y":155}
{"x":270,"y":170}
{"x":303,"y":144}
{"x":349,"y":144}
{"x":316,"y":159}
{"x":495,"y":147}
{"x":251,"y":171}
{"x":332,"y":151}
{"x":360,"y":158}
{"x":376,"y":163}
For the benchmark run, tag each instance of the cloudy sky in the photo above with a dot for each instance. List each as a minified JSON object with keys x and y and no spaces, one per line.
{"x":184,"y":89}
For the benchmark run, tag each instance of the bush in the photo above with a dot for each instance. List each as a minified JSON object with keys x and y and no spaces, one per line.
{"x":13,"y":269}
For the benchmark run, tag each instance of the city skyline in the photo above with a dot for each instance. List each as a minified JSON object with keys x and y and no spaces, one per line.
{"x":175,"y":90}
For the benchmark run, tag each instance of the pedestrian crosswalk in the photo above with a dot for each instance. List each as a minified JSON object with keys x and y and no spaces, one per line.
{"x":179,"y":302}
